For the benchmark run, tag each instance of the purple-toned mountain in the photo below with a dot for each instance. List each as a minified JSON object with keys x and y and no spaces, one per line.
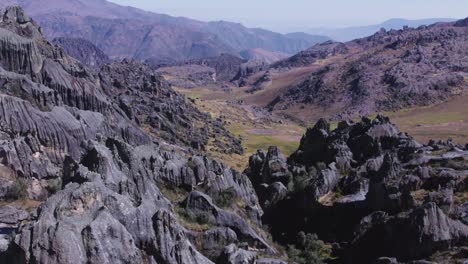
{"x":126,"y":32}
{"x":387,"y":71}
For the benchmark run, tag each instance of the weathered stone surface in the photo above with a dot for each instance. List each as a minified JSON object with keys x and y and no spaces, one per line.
{"x":380,"y":180}
{"x":12,"y":215}
{"x":234,"y":255}
{"x":201,"y":204}
{"x":411,"y":235}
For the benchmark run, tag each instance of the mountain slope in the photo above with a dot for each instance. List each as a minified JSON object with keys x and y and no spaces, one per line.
{"x":83,"y":50}
{"x":125,"y":32}
{"x":385,"y":72}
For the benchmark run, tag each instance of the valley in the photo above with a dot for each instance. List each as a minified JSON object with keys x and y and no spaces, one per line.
{"x":132,"y":137}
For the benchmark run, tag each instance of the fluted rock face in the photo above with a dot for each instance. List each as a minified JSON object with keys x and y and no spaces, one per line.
{"x":368,"y":187}
{"x":200,"y":204}
{"x":95,"y":150}
{"x":89,"y":223}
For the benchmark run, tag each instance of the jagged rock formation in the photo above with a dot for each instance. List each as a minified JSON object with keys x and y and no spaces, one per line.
{"x":368,"y":188}
{"x":94,"y":149}
{"x":248,"y":69}
{"x":384,"y":72}
{"x":84,"y":51}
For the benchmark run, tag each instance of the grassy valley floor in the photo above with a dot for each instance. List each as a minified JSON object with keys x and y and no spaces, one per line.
{"x":260,"y":129}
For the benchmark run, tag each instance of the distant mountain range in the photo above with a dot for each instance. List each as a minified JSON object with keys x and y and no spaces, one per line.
{"x":350,"y":33}
{"x":127,"y":32}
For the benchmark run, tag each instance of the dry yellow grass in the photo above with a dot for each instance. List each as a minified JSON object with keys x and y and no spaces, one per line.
{"x":441,"y":121}
{"x":242,"y":121}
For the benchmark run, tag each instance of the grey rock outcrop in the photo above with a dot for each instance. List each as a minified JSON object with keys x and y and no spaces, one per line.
{"x":234,"y":255}
{"x":200,"y":204}
{"x":12,"y":215}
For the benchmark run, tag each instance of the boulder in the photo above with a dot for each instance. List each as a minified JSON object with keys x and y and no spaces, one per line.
{"x":234,"y":255}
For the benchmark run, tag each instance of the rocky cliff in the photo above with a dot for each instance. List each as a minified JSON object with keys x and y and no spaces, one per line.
{"x":95,"y":151}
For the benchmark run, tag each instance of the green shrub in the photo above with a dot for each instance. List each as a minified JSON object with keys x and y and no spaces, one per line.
{"x":308,"y":250}
{"x":20,"y":190}
{"x":225,"y":198}
{"x":54,"y":185}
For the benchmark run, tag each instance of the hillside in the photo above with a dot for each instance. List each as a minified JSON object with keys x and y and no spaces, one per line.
{"x":126,"y":32}
{"x":83,"y":50}
{"x":388,"y":71}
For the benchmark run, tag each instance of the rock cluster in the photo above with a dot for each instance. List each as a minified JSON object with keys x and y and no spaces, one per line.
{"x":367,"y":187}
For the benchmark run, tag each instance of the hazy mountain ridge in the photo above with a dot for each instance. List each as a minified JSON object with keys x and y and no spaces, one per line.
{"x":152,"y":36}
{"x":350,"y":33}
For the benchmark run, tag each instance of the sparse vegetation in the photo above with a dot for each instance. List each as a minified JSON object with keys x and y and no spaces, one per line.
{"x":174,"y":194}
{"x":54,"y":185}
{"x":20,"y":191}
{"x":308,"y":250}
{"x":225,"y":198}
{"x":196,"y":222}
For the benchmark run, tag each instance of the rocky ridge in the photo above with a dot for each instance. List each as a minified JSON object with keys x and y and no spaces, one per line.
{"x":387,"y":71}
